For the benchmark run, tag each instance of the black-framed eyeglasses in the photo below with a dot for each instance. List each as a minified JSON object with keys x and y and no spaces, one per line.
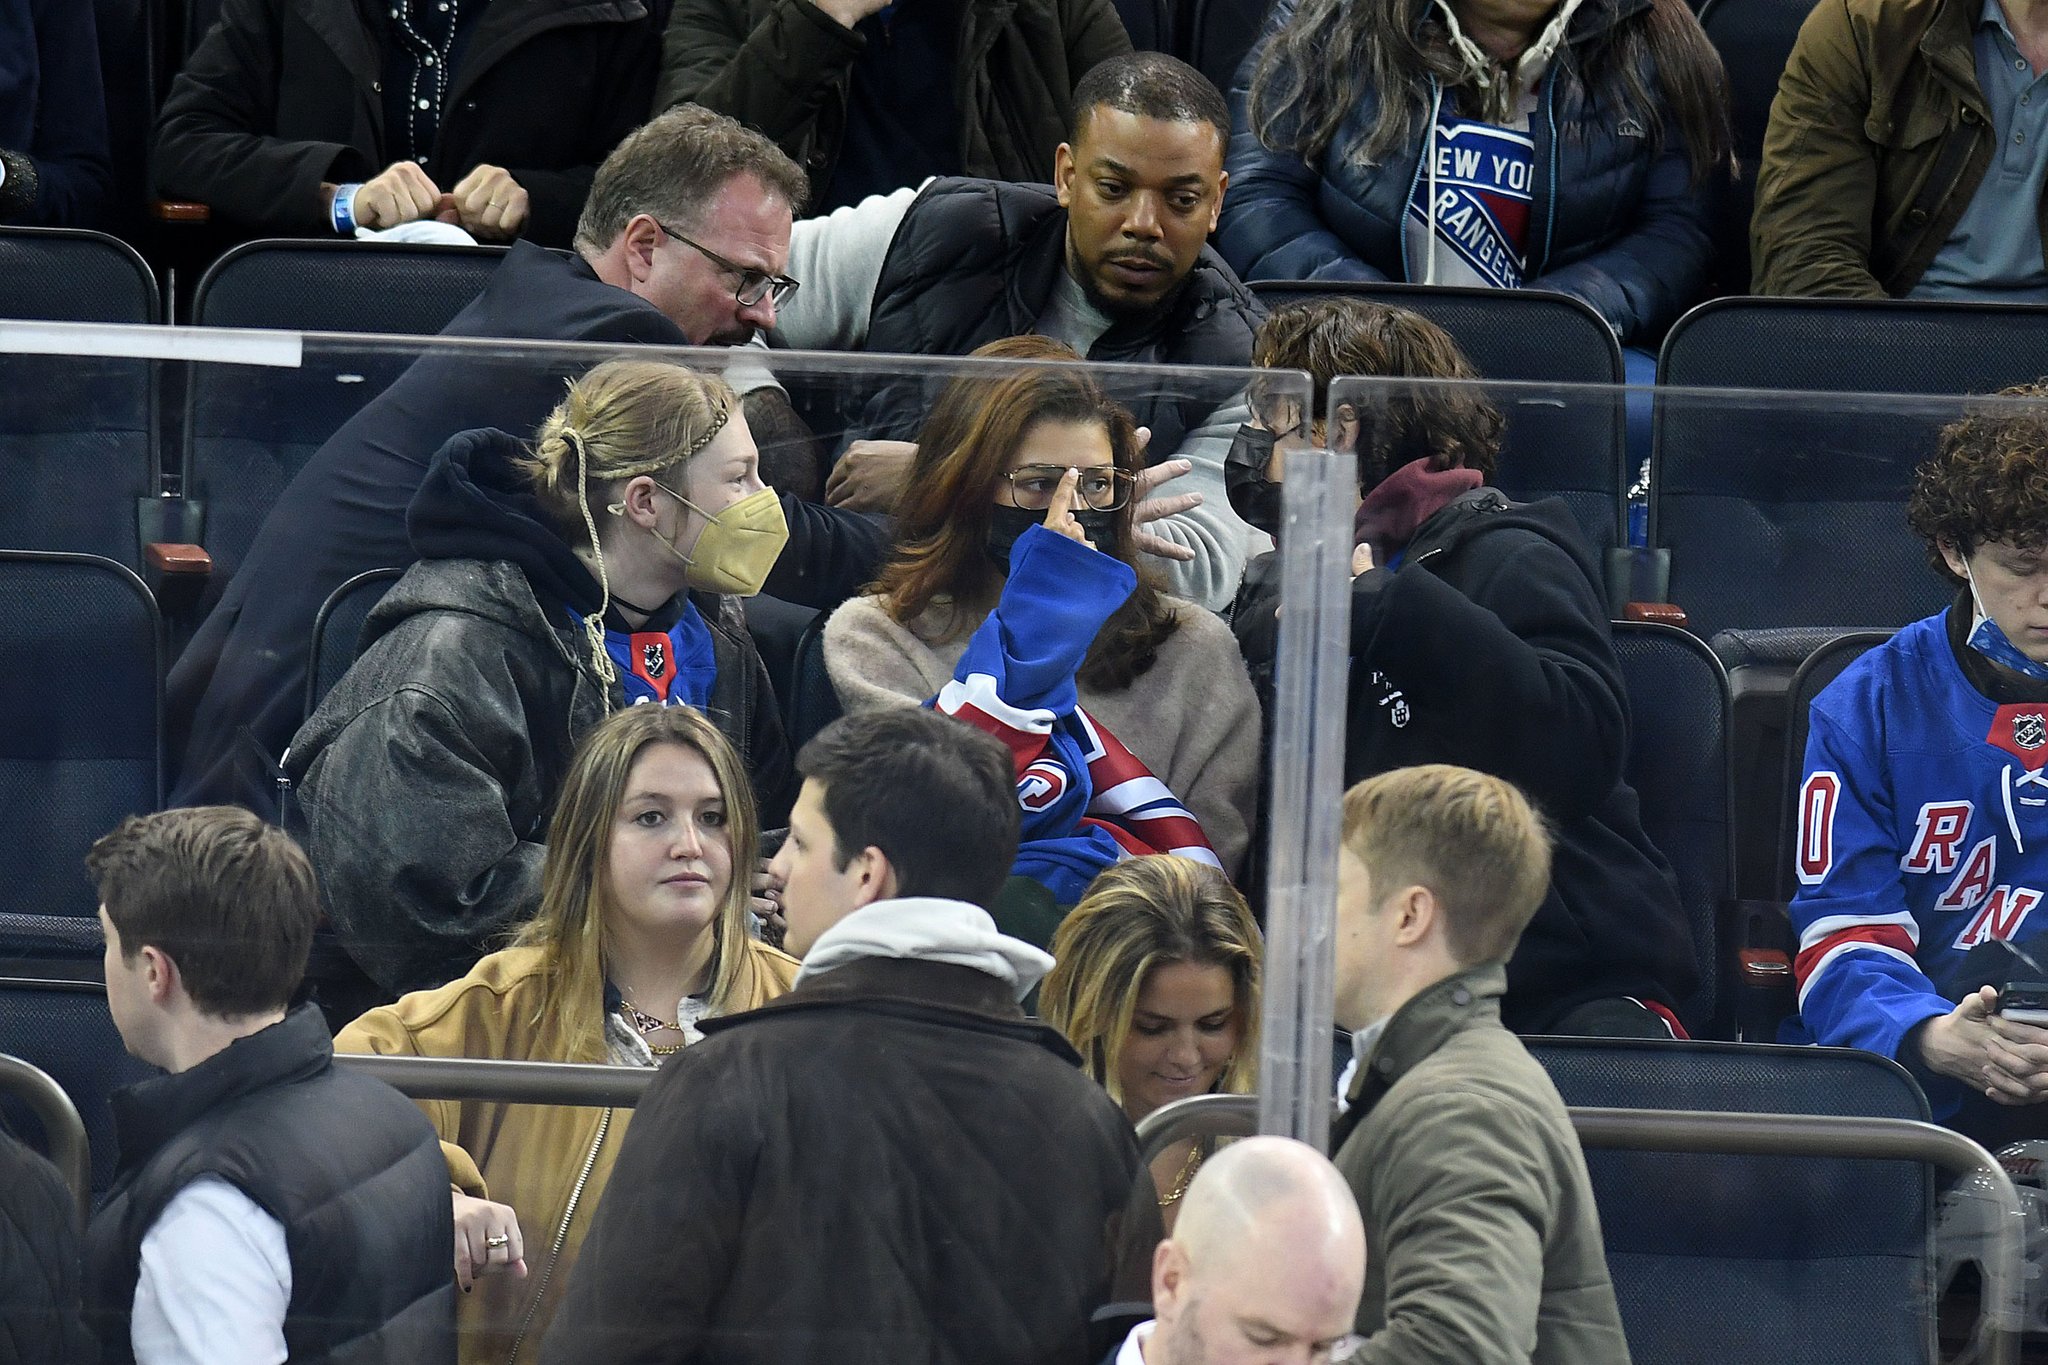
{"x":753,"y":286}
{"x":1103,"y":488}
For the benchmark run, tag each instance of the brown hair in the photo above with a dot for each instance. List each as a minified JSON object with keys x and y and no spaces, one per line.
{"x":228,"y":898}
{"x":1140,"y":914}
{"x":1450,"y":425}
{"x":1988,"y":479}
{"x":1471,"y":838}
{"x":942,"y":519}
{"x":571,"y":928}
{"x":672,"y":166}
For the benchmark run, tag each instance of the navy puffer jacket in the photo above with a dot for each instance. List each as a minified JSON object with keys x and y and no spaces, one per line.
{"x":1616,"y":220}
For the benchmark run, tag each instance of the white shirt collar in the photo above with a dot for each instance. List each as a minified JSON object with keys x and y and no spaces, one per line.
{"x":1132,"y":1352}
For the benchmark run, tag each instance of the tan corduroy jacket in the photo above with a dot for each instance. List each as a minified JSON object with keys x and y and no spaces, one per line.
{"x":550,"y":1163}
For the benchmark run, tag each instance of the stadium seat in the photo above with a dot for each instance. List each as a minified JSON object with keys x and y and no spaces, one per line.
{"x":81,"y":682}
{"x":338,"y":629}
{"x":1791,"y":512}
{"x":1149,"y":22}
{"x":1822,"y":667}
{"x":1754,"y":38}
{"x":1727,"y":1258}
{"x":64,"y":1028}
{"x":813,"y":702}
{"x":1215,"y":35}
{"x":1678,"y":763}
{"x":1575,"y":449}
{"x":78,"y":443}
{"x":249,"y":430}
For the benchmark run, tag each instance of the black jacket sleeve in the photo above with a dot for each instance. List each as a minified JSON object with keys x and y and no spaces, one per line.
{"x":773,"y":76}
{"x":213,"y":141}
{"x":832,"y":554}
{"x":64,"y":176}
{"x":1515,"y":675}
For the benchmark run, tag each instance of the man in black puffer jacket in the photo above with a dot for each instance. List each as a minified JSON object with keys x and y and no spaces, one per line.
{"x":39,"y":1322}
{"x":267,"y":1205}
{"x":1110,"y":259}
{"x":1479,"y":637}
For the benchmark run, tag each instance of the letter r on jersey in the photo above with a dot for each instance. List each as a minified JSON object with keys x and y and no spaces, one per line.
{"x":1940,"y":835}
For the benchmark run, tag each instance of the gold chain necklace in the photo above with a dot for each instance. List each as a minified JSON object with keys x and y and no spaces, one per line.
{"x":1184,"y":1179}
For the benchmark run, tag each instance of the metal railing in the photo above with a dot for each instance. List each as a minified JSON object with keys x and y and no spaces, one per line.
{"x":475,"y":1078}
{"x":1724,"y":1134}
{"x":63,"y":1129}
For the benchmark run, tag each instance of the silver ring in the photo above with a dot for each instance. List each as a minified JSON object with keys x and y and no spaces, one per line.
{"x":502,"y":1239}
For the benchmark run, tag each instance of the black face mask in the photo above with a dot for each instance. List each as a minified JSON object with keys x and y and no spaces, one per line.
{"x":1007,"y":525}
{"x":1254,"y":498}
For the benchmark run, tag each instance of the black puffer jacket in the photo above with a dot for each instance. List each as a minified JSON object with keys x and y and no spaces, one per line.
{"x":890,"y":1165}
{"x":426,"y":779}
{"x":39,"y":1266}
{"x":1489,"y":647}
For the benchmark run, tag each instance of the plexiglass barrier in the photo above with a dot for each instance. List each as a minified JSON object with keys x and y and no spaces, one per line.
{"x":353,"y":587}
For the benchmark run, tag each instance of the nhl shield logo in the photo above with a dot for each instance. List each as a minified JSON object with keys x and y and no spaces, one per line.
{"x":654,"y":660}
{"x":2030,"y":731}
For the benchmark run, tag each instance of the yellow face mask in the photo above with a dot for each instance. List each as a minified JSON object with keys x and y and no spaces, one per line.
{"x":737,"y":547}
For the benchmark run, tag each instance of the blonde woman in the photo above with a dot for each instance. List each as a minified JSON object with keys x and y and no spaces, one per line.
{"x":595,"y":570}
{"x":1157,"y":987}
{"x":642,"y":932}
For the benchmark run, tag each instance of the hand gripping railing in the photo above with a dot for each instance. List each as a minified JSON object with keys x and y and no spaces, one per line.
{"x":1836,"y":1137}
{"x":475,"y":1078}
{"x":62,"y":1128}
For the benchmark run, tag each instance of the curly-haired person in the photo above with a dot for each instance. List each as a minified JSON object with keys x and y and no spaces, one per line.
{"x":1922,"y":853}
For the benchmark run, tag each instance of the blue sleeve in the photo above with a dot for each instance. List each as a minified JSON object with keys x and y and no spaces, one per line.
{"x":1059,"y":595}
{"x":1271,"y":228}
{"x":73,"y":170}
{"x":1859,"y":982}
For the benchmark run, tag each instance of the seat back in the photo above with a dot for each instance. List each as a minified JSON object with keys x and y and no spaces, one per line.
{"x":63,"y":1028}
{"x":1680,"y":766}
{"x":813,"y":701}
{"x":78,"y":443}
{"x":248,"y":429}
{"x":81,"y":683}
{"x":1821,"y":667}
{"x":1215,"y":35}
{"x":1754,"y":38}
{"x":338,"y":630}
{"x":1149,"y":24}
{"x":1791,"y":512}
{"x":1575,"y":449}
{"x":1790,"y":1260}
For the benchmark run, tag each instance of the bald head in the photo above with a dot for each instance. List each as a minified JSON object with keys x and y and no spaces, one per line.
{"x":1267,"y":1255}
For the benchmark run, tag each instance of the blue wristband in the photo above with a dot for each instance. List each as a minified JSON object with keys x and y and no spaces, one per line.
{"x":344,"y":210}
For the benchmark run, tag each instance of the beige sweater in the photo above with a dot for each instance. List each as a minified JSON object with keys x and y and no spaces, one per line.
{"x":1193,"y":718}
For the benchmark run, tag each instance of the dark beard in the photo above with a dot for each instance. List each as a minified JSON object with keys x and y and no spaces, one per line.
{"x":1113,"y":309}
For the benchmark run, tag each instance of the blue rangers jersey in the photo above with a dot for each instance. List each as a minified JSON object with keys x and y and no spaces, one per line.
{"x":1922,"y":844}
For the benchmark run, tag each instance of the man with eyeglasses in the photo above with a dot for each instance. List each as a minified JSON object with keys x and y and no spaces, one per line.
{"x":684,"y":240}
{"x":1111,"y":259}
{"x":1265,"y":1265}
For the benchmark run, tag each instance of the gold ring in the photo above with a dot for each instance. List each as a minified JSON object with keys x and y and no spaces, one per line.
{"x":502,"y":1239}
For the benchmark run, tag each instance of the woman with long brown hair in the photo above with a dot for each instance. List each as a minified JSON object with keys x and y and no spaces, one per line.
{"x":643,"y":930}
{"x":1570,"y":145}
{"x":1033,"y":464}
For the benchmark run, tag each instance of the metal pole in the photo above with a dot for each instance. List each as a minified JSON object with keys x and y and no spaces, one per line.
{"x":63,"y":1129}
{"x":473,"y":1078}
{"x":1303,"y":819}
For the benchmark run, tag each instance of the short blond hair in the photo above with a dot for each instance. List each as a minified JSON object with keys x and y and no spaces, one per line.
{"x":1472,"y":839}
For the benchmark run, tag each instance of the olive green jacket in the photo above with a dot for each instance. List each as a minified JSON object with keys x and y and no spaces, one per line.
{"x":1878,"y":138}
{"x":782,"y":67}
{"x":1482,"y":1241}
